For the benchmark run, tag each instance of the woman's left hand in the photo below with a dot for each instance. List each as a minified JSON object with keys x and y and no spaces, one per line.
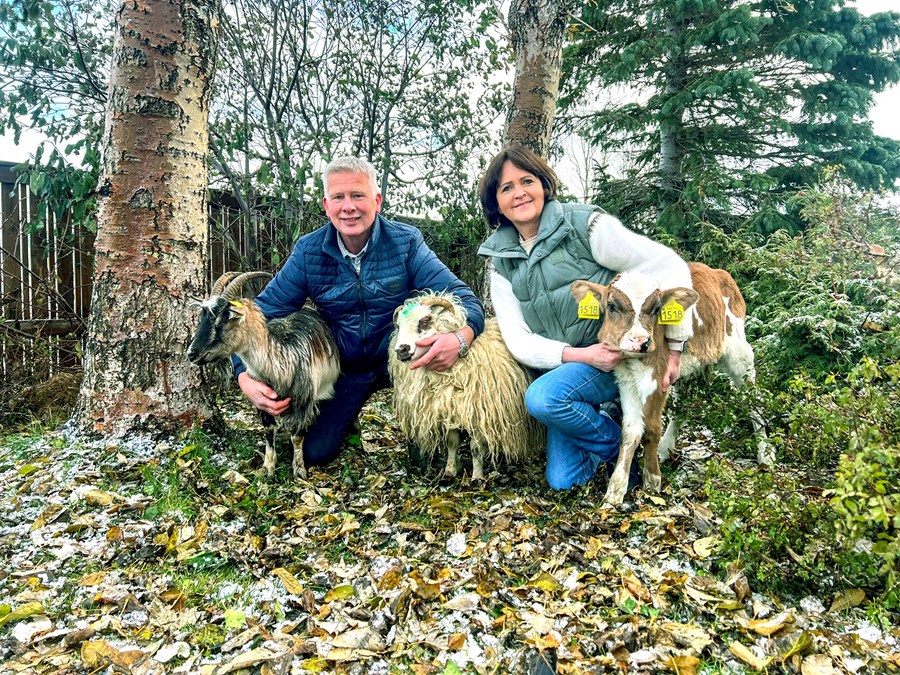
{"x":673,"y":370}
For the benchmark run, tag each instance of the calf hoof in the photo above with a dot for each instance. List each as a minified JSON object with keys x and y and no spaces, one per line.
{"x":653,"y":482}
{"x":614,"y":497}
{"x":765,"y":454}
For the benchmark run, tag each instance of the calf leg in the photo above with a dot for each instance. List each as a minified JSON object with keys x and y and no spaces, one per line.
{"x":268,"y":422}
{"x":652,"y":474}
{"x":667,"y":444}
{"x":298,"y":465}
{"x":737,"y":362}
{"x":452,"y":467}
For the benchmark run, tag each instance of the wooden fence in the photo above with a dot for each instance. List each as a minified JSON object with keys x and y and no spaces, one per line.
{"x":45,"y":270}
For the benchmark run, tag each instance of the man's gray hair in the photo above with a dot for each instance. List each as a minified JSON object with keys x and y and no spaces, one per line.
{"x":348,"y":164}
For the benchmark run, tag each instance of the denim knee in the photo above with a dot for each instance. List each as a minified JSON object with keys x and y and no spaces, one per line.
{"x":538,"y":405}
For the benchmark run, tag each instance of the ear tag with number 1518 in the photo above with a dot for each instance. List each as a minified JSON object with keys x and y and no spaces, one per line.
{"x":671,"y":313}
{"x":589,"y":307}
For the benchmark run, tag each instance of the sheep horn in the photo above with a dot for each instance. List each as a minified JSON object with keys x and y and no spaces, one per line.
{"x":234,"y":287}
{"x":430,"y":300}
{"x":222,"y":282}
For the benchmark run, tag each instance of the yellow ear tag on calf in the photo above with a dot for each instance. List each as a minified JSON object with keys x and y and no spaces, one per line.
{"x":671,"y":314}
{"x":589,"y":307}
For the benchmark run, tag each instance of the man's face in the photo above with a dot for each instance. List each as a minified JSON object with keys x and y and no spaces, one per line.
{"x":351,"y":204}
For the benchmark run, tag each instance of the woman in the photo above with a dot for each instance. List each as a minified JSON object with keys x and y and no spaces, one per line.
{"x":539,"y":248}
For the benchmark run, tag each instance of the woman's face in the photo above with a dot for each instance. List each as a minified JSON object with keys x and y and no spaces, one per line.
{"x":520,"y":197}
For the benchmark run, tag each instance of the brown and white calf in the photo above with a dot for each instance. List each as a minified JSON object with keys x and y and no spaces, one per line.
{"x":630,"y":307}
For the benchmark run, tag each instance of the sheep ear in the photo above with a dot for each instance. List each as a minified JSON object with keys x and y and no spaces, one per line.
{"x":582,"y":288}
{"x":685,"y":297}
{"x":397,"y":313}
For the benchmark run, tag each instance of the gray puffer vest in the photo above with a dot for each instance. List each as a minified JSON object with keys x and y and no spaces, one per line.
{"x":541,"y":279}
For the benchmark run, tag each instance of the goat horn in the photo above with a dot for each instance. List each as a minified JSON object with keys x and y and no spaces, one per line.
{"x":222,"y":282}
{"x":234,"y":287}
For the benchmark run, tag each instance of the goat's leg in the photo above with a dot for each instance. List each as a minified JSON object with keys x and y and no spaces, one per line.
{"x":298,"y":465}
{"x":269,"y":424}
{"x":452,"y":466}
{"x":479,"y":450}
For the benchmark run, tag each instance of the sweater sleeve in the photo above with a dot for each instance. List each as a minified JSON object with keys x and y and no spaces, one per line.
{"x":616,"y":247}
{"x":526,"y":346}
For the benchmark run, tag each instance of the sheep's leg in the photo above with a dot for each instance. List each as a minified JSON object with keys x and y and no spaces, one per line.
{"x":298,"y":465}
{"x":268,"y":422}
{"x":479,"y":450}
{"x":452,"y":467}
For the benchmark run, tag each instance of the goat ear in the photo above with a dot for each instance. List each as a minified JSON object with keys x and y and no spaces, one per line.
{"x":582,"y":288}
{"x":685,"y":297}
{"x":236,"y":308}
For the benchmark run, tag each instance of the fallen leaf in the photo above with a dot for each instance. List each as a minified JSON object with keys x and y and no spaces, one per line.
{"x":818,"y":664}
{"x":545,"y":581}
{"x":22,"y":612}
{"x":291,"y":584}
{"x":92,"y":579}
{"x":852,"y":597}
{"x":359,"y":638}
{"x":771,"y":626}
{"x":687,"y":635}
{"x":682,"y":664}
{"x":744,"y":654}
{"x":339,"y":593}
{"x":706,"y":546}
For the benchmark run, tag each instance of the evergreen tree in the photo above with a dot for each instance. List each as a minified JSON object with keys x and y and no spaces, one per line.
{"x":733,"y":104}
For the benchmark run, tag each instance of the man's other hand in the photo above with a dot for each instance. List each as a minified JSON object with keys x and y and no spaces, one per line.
{"x":262,"y":395}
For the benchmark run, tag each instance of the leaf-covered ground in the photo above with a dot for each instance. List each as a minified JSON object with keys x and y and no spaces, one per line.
{"x":178,"y":558}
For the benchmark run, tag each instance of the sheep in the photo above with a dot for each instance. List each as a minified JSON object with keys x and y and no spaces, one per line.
{"x":483,"y":394}
{"x":631,"y":307}
{"x":296,"y":355}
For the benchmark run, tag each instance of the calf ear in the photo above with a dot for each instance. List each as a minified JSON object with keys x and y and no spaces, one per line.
{"x":685,"y":297}
{"x":582,"y":288}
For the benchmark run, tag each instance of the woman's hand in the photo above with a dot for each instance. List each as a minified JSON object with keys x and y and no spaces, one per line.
{"x":600,"y":356}
{"x":262,"y":395}
{"x":673,"y":370}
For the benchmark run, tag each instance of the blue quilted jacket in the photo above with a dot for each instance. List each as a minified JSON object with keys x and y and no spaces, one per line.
{"x":360,"y":309}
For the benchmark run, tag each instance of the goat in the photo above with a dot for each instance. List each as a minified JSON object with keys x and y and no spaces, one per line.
{"x":631,"y":306}
{"x":483,"y":394}
{"x":296,"y":355}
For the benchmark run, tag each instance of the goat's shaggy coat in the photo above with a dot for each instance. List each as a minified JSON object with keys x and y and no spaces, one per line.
{"x":295,"y":355}
{"x":631,"y":306}
{"x":483,"y":394}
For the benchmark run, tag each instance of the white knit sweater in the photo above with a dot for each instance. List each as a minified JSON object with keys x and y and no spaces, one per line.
{"x":615,"y":247}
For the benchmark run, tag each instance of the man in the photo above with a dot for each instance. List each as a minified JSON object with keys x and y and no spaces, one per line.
{"x":357,"y":270}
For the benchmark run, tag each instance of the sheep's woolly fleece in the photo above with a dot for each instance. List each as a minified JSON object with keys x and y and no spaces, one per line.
{"x":482,"y":394}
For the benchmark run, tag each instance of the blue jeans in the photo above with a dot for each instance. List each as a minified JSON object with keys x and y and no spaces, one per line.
{"x":323,"y":439}
{"x":579,"y":438}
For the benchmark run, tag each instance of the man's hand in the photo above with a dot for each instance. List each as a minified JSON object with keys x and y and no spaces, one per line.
{"x":443,"y":352}
{"x":262,"y":395}
{"x":673,"y":370}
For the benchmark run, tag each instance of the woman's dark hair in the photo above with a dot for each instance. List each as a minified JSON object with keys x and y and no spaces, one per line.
{"x":524,"y":159}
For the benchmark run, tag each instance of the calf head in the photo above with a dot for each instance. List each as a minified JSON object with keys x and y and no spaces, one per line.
{"x":422,"y":317}
{"x":217,"y":336}
{"x":630,"y":307}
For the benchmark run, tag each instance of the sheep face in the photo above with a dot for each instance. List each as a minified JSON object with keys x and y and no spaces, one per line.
{"x":423,"y":317}
{"x":216,"y":337}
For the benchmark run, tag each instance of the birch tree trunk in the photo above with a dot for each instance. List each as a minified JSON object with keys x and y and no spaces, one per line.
{"x":537,"y":29}
{"x":150,"y":251}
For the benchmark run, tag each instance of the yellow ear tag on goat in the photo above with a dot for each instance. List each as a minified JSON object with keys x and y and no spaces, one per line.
{"x":237,"y":304}
{"x":589,"y":307}
{"x":671,"y":314}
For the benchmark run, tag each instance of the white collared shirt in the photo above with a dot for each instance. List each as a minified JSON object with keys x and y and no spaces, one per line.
{"x":354,"y":258}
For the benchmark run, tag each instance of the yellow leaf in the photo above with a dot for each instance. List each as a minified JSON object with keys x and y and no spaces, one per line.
{"x":683,"y":664}
{"x":339,"y":593}
{"x":98,"y":497}
{"x":659,"y":501}
{"x":818,"y":664}
{"x":115,"y":533}
{"x":456,"y":642}
{"x":705,"y":547}
{"x":290,"y":582}
{"x":852,"y":597}
{"x":769,"y":627}
{"x":92,"y":579}
{"x":687,"y":635}
{"x":545,"y":581}
{"x":315,"y":665}
{"x":748,"y":657}
{"x":22,"y":612}
{"x":27,"y":470}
